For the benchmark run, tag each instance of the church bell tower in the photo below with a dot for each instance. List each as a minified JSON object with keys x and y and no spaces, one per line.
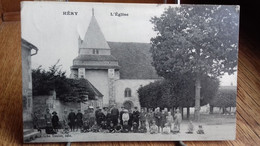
{"x":95,"y":62}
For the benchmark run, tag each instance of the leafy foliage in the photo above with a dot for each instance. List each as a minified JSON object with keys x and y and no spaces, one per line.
{"x":178,"y":93}
{"x":68,"y":90}
{"x":195,"y":39}
{"x":224,"y":98}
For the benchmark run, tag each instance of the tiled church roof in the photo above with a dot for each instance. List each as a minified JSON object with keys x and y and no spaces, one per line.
{"x":134,"y":60}
{"x":94,"y":37}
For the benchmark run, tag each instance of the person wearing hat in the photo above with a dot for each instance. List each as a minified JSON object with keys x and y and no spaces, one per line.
{"x":125,"y":116}
{"x":72,"y":120}
{"x":55,"y":121}
{"x":178,"y":119}
{"x":130,"y":121}
{"x":96,"y":114}
{"x":65,"y":122}
{"x":121,"y":114}
{"x":79,"y":122}
{"x":136,"y":116}
{"x":85,"y":119}
{"x":91,"y":116}
{"x":114,"y":114}
{"x":99,"y":116}
{"x":142,"y":117}
{"x":104,"y":118}
{"x":158,"y":118}
{"x":48,"y":118}
{"x":150,"y":117}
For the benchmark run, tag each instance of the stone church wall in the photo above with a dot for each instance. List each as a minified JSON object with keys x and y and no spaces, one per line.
{"x":134,"y":85}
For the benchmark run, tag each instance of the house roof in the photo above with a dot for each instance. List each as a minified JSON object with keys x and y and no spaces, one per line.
{"x":95,"y":58}
{"x":93,"y":89}
{"x":27,"y":45}
{"x":94,"y":37}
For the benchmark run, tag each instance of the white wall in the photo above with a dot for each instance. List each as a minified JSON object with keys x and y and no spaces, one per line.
{"x":134,"y":85}
{"x":99,"y":79}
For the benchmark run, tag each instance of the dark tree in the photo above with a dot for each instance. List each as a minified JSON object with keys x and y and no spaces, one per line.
{"x":178,"y":93}
{"x":225,"y":97}
{"x":54,"y":79}
{"x":201,"y":41}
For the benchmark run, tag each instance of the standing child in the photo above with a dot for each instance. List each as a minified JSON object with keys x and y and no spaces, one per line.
{"x":85,"y":122}
{"x":178,"y":119}
{"x":190,"y":128}
{"x":158,"y":118}
{"x":150,"y":117}
{"x":65,"y":122}
{"x":142,"y":117}
{"x":169,"y":119}
{"x":55,"y":121}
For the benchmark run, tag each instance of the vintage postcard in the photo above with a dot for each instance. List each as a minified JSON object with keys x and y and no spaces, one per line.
{"x":128,"y":72}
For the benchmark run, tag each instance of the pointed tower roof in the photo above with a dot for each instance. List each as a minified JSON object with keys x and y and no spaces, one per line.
{"x":94,"y":37}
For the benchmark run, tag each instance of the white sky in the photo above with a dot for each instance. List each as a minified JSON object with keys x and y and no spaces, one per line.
{"x":56,"y":35}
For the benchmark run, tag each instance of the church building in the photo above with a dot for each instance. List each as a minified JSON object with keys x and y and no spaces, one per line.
{"x":116,"y":70}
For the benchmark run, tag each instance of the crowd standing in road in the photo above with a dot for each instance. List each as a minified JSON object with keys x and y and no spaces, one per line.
{"x":114,"y":121}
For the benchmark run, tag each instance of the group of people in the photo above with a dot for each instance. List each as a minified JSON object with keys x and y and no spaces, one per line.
{"x":112,"y":120}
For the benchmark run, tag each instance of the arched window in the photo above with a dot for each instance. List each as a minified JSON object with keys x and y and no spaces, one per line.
{"x":127,"y":92}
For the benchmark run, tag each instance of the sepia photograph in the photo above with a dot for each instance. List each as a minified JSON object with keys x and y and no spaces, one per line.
{"x":128,"y":72}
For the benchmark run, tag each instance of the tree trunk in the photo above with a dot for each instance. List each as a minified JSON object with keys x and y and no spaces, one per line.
{"x":181,"y":112}
{"x":224,"y":110}
{"x":211,"y":109}
{"x":188,"y":112}
{"x":197,"y":99}
{"x":173,"y":110}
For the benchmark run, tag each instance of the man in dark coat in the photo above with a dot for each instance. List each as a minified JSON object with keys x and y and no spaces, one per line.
{"x":136,"y":116}
{"x":105,"y":118}
{"x":114,"y":115}
{"x":130,"y":121}
{"x":79,"y":121}
{"x":72,"y":120}
{"x":120,"y":115}
{"x":96,"y":113}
